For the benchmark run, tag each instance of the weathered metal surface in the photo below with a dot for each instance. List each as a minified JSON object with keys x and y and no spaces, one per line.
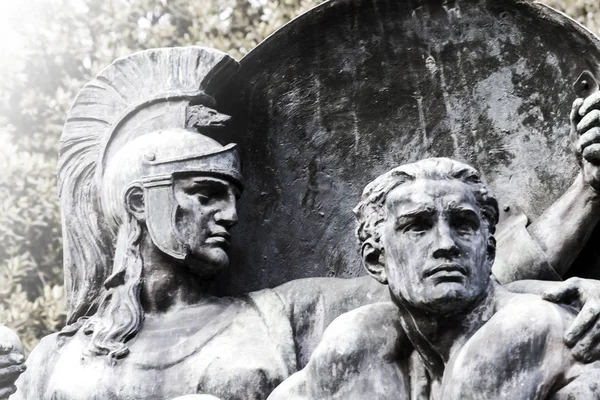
{"x":355,"y":87}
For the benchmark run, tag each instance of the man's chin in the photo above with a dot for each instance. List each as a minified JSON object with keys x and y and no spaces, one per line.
{"x":448,"y":298}
{"x":208,"y":267}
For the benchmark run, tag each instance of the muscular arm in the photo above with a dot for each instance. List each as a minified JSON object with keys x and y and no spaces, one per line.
{"x":519,"y":355}
{"x":532,"y":287}
{"x":564,"y":228}
{"x":547,"y":247}
{"x":313,"y":303}
{"x":561,"y":232}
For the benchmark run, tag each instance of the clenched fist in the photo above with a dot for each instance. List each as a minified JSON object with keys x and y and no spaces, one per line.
{"x":585,"y":135}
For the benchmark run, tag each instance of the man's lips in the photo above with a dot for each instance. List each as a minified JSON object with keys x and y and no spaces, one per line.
{"x":446,"y":269}
{"x":219,"y":238}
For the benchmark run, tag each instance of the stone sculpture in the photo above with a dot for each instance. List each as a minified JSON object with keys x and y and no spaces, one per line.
{"x":426,"y":230}
{"x":149,"y":195}
{"x":148,"y":203}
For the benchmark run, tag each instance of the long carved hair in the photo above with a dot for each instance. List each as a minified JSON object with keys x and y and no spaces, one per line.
{"x":120,"y":314}
{"x":102,"y":263}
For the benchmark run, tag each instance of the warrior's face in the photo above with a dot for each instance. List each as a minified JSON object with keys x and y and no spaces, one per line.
{"x":183,"y":187}
{"x":206,"y":210}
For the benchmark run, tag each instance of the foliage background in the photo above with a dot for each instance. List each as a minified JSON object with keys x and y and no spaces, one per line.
{"x":50,"y":49}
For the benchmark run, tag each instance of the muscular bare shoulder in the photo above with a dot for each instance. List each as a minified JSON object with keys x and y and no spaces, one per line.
{"x":357,"y":356}
{"x":518,"y":354}
{"x":369,"y":331}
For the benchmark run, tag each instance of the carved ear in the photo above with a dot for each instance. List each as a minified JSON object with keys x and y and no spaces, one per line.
{"x":373,"y":261}
{"x":134,"y":202}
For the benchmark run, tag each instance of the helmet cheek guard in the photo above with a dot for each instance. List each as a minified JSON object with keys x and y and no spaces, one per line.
{"x":161,"y":205}
{"x":161,"y":209}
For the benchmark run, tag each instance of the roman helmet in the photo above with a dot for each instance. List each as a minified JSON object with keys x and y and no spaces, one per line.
{"x":138,"y":123}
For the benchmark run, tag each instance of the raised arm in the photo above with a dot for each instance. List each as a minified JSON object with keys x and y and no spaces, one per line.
{"x":548,"y":246}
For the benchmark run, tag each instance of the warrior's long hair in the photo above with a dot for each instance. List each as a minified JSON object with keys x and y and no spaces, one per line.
{"x":102,"y":263}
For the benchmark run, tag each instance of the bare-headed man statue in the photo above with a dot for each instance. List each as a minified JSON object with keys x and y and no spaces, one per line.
{"x":427,"y":231}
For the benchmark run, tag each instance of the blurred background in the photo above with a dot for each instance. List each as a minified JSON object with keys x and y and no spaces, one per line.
{"x":48,"y":50}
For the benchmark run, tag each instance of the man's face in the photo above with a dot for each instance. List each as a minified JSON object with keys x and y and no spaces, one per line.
{"x":207,"y":209}
{"x":435,"y":245}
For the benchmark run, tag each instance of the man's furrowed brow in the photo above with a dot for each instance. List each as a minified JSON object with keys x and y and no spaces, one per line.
{"x":416,"y":212}
{"x":462,"y":208}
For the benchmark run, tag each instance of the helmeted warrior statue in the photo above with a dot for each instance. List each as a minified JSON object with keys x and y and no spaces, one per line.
{"x":148,"y":200}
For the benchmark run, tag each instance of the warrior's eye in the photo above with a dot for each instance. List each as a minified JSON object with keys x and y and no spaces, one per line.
{"x":204,"y":199}
{"x":416,"y":224}
{"x":208,"y":191}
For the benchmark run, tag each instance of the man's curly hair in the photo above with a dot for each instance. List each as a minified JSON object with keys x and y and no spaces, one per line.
{"x":371,"y":212}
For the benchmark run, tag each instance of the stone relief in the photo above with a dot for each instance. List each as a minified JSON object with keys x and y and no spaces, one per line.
{"x":150,"y":194}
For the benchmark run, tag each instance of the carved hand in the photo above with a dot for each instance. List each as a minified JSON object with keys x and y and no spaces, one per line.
{"x":585,"y":136}
{"x":583,"y":336}
{"x":12,"y":361}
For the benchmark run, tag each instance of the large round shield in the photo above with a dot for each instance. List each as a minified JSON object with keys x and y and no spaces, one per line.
{"x":355,"y":87}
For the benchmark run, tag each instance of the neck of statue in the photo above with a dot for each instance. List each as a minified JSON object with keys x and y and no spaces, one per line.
{"x":167,"y":284}
{"x":438,"y":336}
